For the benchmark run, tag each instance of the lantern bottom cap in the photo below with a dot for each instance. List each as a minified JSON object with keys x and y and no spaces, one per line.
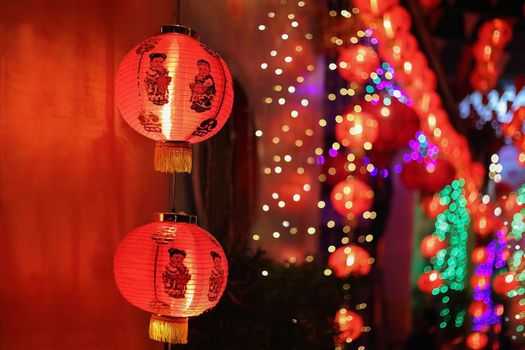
{"x":167,"y":329}
{"x":173,"y":157}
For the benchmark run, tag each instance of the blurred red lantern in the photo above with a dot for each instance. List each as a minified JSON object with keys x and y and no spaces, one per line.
{"x":428,"y":178}
{"x":483,"y":83}
{"x":505,"y":283}
{"x":496,"y":32}
{"x":355,"y":63}
{"x":175,"y":90}
{"x":431,"y":206}
{"x":173,"y":269}
{"x":350,"y":259}
{"x":351,"y":197}
{"x":485,"y":52}
{"x":480,"y":282}
{"x":430,"y":245}
{"x":397,"y":50}
{"x":479,"y":255}
{"x":425,"y":81}
{"x":521,"y":159}
{"x":477,"y":308}
{"x":429,"y":4}
{"x":411,"y":67}
{"x":477,"y":340}
{"x":428,"y":281}
{"x":356,"y":129}
{"x":398,"y":124}
{"x":509,"y":205}
{"x":485,"y":224}
{"x":349,"y":324}
{"x":395,"y":22}
{"x":375,"y":7}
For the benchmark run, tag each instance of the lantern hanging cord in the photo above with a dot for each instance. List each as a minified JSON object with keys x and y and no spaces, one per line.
{"x":173,"y":190}
{"x":177,"y":15}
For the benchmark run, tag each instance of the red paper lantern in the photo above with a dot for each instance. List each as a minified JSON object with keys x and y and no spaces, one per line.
{"x":477,"y":340}
{"x":505,"y":283}
{"x":485,"y":52}
{"x":356,"y":129}
{"x":477,"y":308}
{"x":351,"y":197}
{"x":432,"y":207}
{"x":395,"y":22}
{"x":496,"y":32}
{"x":397,"y":50}
{"x":349,"y":324}
{"x":355,"y":63}
{"x":429,"y":4}
{"x":173,"y":269}
{"x":430,"y":245}
{"x":428,"y":281}
{"x":411,"y":67}
{"x":479,"y":255}
{"x":480,"y":282}
{"x":175,"y":90}
{"x":374,"y":7}
{"x":484,"y":224}
{"x":350,"y":259}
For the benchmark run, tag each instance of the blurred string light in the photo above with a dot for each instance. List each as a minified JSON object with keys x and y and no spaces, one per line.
{"x":422,"y":151}
{"x":495,"y":168}
{"x":491,"y":313}
{"x":451,"y":225}
{"x":287,"y":65}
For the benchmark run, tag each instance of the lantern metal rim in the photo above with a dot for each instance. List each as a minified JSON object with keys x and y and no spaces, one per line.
{"x":180,"y":217}
{"x":179,"y":29}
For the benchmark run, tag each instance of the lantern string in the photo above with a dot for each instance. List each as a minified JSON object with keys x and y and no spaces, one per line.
{"x":177,"y":15}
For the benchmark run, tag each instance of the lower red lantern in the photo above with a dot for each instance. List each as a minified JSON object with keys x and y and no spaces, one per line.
{"x":432,"y":207}
{"x":173,"y":269}
{"x":356,"y":129}
{"x":477,"y":308}
{"x":356,"y":62}
{"x":428,"y":281}
{"x":505,"y":283}
{"x":349,"y":324}
{"x":477,"y":341}
{"x":479,"y":255}
{"x":430,"y":245}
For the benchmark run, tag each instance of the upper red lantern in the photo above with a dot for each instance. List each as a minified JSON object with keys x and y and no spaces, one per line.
{"x":375,"y":7}
{"x":428,"y":281}
{"x":496,"y":32}
{"x":477,"y":341}
{"x":356,"y":62}
{"x":175,"y":90}
{"x":173,"y":269}
{"x":350,"y":259}
{"x":430,"y":245}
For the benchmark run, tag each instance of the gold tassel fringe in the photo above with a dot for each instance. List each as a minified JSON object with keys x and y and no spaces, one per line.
{"x":173,"y":157}
{"x":166,"y":329}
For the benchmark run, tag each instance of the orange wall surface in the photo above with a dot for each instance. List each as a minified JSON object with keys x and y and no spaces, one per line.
{"x":74,"y":178}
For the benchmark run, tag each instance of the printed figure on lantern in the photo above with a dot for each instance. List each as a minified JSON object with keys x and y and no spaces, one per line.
{"x":216,"y":278}
{"x":203,"y":89}
{"x":176,"y":275}
{"x":150,"y":122}
{"x":157,"y":79}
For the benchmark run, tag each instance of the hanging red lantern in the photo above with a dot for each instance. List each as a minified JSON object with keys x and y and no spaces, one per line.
{"x":480,"y":282}
{"x":484,"y":224}
{"x":430,"y":245}
{"x":482,"y":83}
{"x":496,"y":32}
{"x":429,"y":4}
{"x":351,"y":197}
{"x":477,"y":341}
{"x":432,"y":207}
{"x":175,"y":90}
{"x":349,"y":324}
{"x":505,"y":283}
{"x":485,"y":52}
{"x":350,"y":259}
{"x":477,"y":308}
{"x":479,"y":255}
{"x":356,"y":129}
{"x":397,"y":50}
{"x":410,"y":68}
{"x":395,"y":22}
{"x":428,"y":281}
{"x":374,"y":7}
{"x":355,"y":63}
{"x":173,"y":269}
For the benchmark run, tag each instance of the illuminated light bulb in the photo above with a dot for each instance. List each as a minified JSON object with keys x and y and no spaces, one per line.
{"x":291,"y":89}
{"x":258,"y":133}
{"x":276,"y":234}
{"x":304,"y":102}
{"x":287,"y":158}
{"x":265,"y":207}
{"x":310,"y":230}
{"x":307,"y":187}
{"x":288,"y":59}
{"x":294,"y":114}
{"x":273,"y":53}
{"x":299,"y":79}
{"x":262,"y":27}
{"x":278,"y":71}
{"x":256,"y":237}
{"x":281,"y":101}
{"x":264,"y":273}
{"x":294,"y":24}
{"x":284,"y":36}
{"x":276,"y":140}
{"x":264,"y":65}
{"x":296,"y":197}
{"x":281,"y":204}
{"x":268,"y":100}
{"x":298,"y":48}
{"x":275,"y":195}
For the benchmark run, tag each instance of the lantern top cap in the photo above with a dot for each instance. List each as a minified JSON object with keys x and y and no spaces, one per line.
{"x":176,"y":217}
{"x":179,"y":29}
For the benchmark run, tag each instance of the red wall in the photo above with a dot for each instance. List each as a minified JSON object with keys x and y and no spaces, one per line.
{"x":74,"y":178}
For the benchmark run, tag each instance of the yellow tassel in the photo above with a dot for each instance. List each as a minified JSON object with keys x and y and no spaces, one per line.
{"x":173,"y":157}
{"x":166,"y":329}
